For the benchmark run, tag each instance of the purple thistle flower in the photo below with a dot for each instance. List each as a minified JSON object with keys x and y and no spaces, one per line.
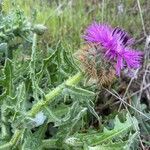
{"x":116,"y":45}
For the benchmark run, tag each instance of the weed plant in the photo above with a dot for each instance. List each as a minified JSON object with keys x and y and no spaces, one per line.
{"x":47,"y":100}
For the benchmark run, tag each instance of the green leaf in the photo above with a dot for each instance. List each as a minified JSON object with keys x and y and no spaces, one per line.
{"x":109,"y":146}
{"x":21,"y":98}
{"x":45,"y":64}
{"x":8,"y":76}
{"x":7,"y":80}
{"x":132,"y":142}
{"x":107,"y":138}
{"x":55,"y":114}
{"x":34,"y":140}
{"x":120,"y":130}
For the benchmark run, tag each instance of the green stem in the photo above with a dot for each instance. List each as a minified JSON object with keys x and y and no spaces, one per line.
{"x":13,"y":141}
{"x":4,"y":127}
{"x":33,"y":67}
{"x":52,"y":94}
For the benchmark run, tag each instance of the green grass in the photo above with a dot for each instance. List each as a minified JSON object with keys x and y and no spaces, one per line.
{"x":66,"y":20}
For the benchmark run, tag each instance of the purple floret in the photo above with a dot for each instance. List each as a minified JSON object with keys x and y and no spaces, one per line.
{"x":116,"y":45}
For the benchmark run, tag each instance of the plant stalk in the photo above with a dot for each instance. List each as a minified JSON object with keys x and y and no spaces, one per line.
{"x":55,"y":92}
{"x":13,"y":141}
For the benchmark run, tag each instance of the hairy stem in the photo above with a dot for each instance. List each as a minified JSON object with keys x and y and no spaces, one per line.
{"x":13,"y":141}
{"x":5,"y":130}
{"x":33,"y":67}
{"x":52,"y":94}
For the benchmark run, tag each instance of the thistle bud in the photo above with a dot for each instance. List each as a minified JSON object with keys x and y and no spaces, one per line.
{"x":95,"y":66}
{"x":39,"y":29}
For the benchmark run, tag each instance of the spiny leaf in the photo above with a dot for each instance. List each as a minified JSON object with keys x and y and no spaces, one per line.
{"x":55,"y":114}
{"x":8,"y":78}
{"x":75,"y":112}
{"x":103,"y":140}
{"x":68,"y":58}
{"x":132,"y":142}
{"x":109,"y":146}
{"x":120,"y":130}
{"x":34,"y":140}
{"x":45,"y":63}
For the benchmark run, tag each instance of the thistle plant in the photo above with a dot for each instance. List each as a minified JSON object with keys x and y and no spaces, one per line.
{"x":45,"y":105}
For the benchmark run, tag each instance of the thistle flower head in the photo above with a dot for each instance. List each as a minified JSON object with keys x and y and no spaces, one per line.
{"x":97,"y":69}
{"x":115,"y":46}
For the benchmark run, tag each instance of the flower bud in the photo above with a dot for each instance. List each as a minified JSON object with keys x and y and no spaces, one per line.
{"x":39,"y":29}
